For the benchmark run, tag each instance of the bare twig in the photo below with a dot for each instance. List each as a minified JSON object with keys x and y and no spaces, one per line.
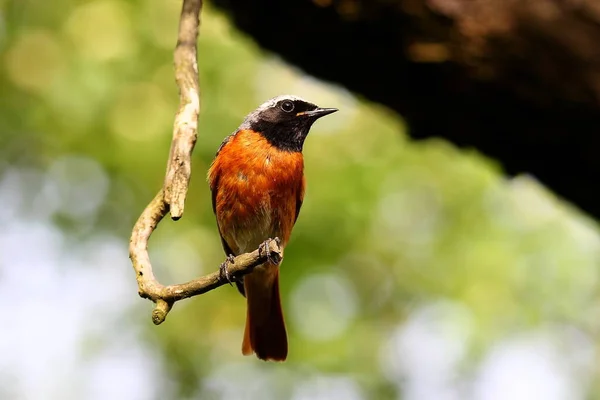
{"x":185,"y":127}
{"x":172,"y":196}
{"x":165,"y":296}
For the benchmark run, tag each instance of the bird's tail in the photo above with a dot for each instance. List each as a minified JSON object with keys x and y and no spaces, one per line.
{"x":265,"y":332}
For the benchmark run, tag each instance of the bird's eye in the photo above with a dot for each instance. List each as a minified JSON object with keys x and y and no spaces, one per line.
{"x":287,"y":106}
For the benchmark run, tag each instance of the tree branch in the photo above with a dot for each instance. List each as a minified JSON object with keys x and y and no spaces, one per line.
{"x":165,"y":296}
{"x":172,"y":196}
{"x":179,"y":166}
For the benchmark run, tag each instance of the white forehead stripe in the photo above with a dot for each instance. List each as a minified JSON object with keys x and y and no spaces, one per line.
{"x":268,"y":104}
{"x":271,"y":102}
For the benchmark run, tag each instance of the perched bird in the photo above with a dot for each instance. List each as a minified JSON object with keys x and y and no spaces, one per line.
{"x":257,"y":184}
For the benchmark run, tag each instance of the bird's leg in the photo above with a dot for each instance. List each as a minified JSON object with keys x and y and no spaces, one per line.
{"x":263,"y":249}
{"x":223,"y":268}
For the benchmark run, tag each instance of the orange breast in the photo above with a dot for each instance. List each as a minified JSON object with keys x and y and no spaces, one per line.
{"x":258,"y":189}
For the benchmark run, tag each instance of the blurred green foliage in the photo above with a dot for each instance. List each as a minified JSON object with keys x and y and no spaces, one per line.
{"x":388,"y":226}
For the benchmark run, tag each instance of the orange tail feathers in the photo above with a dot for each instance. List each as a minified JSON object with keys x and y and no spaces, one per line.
{"x":265,"y":332}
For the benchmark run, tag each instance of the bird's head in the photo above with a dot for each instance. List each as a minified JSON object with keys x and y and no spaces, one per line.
{"x":285,"y":120}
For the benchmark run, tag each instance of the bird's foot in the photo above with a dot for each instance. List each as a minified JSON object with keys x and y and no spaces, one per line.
{"x":264,"y":250}
{"x":223,"y":272}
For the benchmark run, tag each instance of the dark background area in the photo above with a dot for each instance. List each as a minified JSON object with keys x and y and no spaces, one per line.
{"x":517,"y":80}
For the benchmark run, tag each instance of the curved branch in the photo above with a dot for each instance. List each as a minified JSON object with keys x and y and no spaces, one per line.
{"x":172,"y":196}
{"x":165,"y":296}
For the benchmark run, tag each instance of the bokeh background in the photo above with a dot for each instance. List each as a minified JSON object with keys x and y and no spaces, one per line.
{"x":415,"y":271}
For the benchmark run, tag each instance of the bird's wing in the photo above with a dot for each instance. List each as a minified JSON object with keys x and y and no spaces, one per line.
{"x":214,"y":175}
{"x":300,"y":197}
{"x":225,"y":141}
{"x":213,"y":180}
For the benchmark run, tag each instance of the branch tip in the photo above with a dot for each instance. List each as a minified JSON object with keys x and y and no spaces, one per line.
{"x":159,"y":314}
{"x":177,"y":177}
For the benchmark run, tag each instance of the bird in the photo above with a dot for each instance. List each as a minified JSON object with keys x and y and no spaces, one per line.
{"x":257,"y":185}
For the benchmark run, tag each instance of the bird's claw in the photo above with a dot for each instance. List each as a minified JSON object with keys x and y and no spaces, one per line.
{"x":264,"y":250}
{"x":223,"y":268}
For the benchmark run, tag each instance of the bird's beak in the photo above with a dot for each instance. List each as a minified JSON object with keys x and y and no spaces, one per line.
{"x":317,"y":113}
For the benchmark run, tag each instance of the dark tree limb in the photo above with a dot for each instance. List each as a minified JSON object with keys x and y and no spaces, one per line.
{"x":517,"y":80}
{"x":177,"y":178}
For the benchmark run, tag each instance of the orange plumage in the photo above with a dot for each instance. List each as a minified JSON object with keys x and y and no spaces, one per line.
{"x":256,"y":198}
{"x":257,"y":183}
{"x":259,"y":189}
